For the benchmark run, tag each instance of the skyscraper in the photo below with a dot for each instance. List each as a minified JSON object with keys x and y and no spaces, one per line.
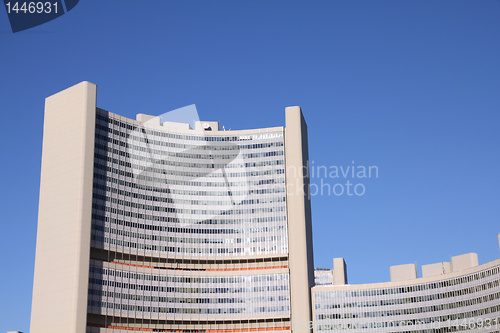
{"x":152,"y":225}
{"x":157,"y":225}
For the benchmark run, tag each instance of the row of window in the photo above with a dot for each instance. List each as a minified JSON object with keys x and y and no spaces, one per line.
{"x":100,"y":242}
{"x":106,"y":138}
{"x":212,"y":180}
{"x":249,"y":211}
{"x":212,"y":311}
{"x":109,"y":192}
{"x":467,"y":321}
{"x":195,"y":230}
{"x":134,"y":150}
{"x":412,"y":311}
{"x":176,"y":221}
{"x":188,"y":279}
{"x":99,"y":164}
{"x":151,"y":134}
{"x":161,"y":176}
{"x":129,"y":214}
{"x":109,"y":232}
{"x":139,"y":203}
{"x":192,"y":211}
{"x":103,"y":156}
{"x":217,"y":179}
{"x":188,"y":300}
{"x":113,"y":184}
{"x":96,"y":282}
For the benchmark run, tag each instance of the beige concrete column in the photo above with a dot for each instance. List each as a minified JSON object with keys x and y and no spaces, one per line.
{"x":339,"y":271}
{"x":63,"y":238}
{"x":299,"y":220}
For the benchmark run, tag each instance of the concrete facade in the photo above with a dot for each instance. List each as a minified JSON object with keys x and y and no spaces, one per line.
{"x":63,"y":236}
{"x":299,"y":216}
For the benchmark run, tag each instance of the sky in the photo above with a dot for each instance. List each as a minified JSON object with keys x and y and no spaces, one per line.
{"x":409,"y":88}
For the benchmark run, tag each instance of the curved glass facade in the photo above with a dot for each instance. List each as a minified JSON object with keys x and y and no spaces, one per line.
{"x":166,"y":194}
{"x":187,"y":228}
{"x":170,"y":294}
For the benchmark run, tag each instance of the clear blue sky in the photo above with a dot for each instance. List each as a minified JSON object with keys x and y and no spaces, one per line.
{"x":412,"y":87}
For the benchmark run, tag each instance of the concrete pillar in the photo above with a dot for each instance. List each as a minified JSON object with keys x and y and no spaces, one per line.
{"x":299,"y":220}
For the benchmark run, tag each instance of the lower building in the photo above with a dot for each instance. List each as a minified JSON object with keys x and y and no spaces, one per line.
{"x":449,"y":297}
